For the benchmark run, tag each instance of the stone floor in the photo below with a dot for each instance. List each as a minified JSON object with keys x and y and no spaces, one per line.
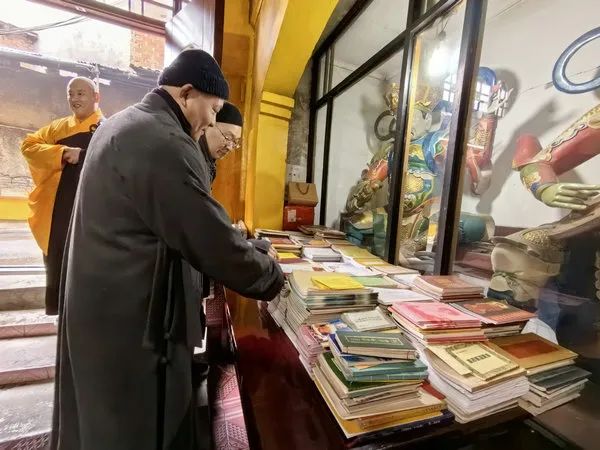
{"x":17,"y":246}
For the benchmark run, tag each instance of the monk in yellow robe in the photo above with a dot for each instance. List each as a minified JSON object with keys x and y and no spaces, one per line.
{"x":55,"y":155}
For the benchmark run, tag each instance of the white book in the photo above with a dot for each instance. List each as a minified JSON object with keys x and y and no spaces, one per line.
{"x":391,"y":296}
{"x":372,"y":320}
{"x":321,"y":254}
{"x":407,"y":279}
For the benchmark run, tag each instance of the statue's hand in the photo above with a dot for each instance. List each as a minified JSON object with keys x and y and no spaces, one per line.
{"x":569,"y":195}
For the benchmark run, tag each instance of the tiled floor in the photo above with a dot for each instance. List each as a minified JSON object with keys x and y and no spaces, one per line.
{"x":229,"y":429}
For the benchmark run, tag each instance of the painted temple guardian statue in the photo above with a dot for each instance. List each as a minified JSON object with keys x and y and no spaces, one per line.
{"x":428,"y":142}
{"x":563,"y":256}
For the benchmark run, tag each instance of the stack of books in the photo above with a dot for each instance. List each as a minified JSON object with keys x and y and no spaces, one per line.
{"x":553,"y":378}
{"x":499,"y":318}
{"x":284,"y":244}
{"x":436,"y":323}
{"x":447,"y":288}
{"x":321,"y":254}
{"x":309,"y":347}
{"x":309,"y":241}
{"x":477,"y":379}
{"x":367,"y":393}
{"x":319,"y":297}
{"x":328,"y":233}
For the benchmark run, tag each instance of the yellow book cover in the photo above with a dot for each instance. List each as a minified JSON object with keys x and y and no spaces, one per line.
{"x":337,"y":282}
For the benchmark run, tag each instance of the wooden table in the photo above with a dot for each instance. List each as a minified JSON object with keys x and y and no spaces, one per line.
{"x":284,"y":410}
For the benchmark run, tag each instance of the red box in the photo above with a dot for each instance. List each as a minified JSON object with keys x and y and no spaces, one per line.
{"x":294,"y":216}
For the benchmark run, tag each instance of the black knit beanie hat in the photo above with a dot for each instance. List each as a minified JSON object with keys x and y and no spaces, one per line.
{"x":197,"y":68}
{"x":230,"y":114}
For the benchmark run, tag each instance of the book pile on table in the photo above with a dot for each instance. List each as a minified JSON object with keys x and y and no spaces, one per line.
{"x":553,"y":377}
{"x":368,"y":393}
{"x":284,"y":244}
{"x":317,"y":298}
{"x":476,"y":378}
{"x":447,"y":288}
{"x":498,"y":318}
{"x":436,"y":323}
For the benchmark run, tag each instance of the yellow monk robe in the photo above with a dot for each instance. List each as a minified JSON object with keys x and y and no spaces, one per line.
{"x":43,"y":151}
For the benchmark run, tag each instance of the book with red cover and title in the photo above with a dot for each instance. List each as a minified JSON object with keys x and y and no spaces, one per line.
{"x":434,"y":315}
{"x":494,"y":312}
{"x":447,"y":288}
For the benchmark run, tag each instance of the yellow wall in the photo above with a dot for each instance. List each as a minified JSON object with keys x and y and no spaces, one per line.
{"x":286,"y":33}
{"x":14,"y":208}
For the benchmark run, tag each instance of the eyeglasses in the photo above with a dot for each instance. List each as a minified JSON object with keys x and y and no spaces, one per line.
{"x":232,"y":144}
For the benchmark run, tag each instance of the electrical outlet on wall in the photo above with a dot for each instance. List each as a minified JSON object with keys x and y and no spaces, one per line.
{"x":296,"y":173}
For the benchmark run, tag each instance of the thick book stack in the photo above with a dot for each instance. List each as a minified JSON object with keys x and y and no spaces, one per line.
{"x":553,"y":378}
{"x":499,"y":318}
{"x":436,"y":323}
{"x":447,"y":288}
{"x":367,"y":393}
{"x":321,"y":254}
{"x":320,"y":297}
{"x":285,"y":244}
{"x":476,"y":378}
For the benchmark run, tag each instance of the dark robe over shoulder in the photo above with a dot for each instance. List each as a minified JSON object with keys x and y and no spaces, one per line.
{"x":61,"y":215}
{"x":142,"y":212}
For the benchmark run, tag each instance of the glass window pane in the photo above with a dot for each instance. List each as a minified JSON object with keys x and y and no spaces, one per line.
{"x":318,"y":155}
{"x":161,"y":13}
{"x":529,"y":222}
{"x":362,"y":135}
{"x":378,"y":24}
{"x":431,"y":105}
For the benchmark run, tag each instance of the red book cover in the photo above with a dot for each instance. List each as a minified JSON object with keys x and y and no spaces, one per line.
{"x":443,"y":282}
{"x":434,"y":313}
{"x":497,"y":312}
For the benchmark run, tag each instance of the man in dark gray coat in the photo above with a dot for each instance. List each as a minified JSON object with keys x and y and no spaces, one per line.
{"x":143,"y":211}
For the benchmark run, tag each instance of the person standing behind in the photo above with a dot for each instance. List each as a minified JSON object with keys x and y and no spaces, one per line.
{"x":225,"y":136}
{"x":55,"y":155}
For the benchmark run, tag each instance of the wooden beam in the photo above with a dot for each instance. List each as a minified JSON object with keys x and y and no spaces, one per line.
{"x":108,"y":13}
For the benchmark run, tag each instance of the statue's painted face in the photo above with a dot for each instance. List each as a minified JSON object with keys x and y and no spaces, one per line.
{"x":421,"y":124}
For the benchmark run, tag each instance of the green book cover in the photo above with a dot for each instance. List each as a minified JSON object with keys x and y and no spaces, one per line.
{"x":351,"y":386}
{"x":413,"y":368}
{"x":378,"y":282}
{"x":390,"y":341}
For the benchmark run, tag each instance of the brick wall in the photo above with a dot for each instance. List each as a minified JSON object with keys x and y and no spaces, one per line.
{"x":147,"y":50}
{"x":24,"y":41}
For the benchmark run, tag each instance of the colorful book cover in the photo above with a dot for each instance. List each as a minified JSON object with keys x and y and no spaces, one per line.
{"x":452,"y":282}
{"x":481,"y":360}
{"x":493,"y":311}
{"x":350,"y":385}
{"x":391,"y":341}
{"x":360,"y":360}
{"x":325,"y":329}
{"x":434,"y":313}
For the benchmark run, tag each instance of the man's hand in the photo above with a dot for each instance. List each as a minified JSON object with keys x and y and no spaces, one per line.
{"x":71,"y":155}
{"x":569,"y":195}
